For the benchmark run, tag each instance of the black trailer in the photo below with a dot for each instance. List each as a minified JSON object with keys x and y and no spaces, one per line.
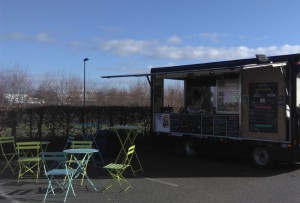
{"x":248,"y":105}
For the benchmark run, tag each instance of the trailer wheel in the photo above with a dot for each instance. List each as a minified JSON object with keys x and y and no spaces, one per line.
{"x":190,"y":148}
{"x":261,"y":157}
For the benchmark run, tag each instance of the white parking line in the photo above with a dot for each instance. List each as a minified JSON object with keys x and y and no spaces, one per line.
{"x":7,"y":197}
{"x":163,"y":182}
{"x":159,"y":181}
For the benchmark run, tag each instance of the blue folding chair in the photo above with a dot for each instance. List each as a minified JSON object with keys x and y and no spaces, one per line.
{"x":69,"y":141}
{"x":56,"y":169}
{"x":91,"y":135}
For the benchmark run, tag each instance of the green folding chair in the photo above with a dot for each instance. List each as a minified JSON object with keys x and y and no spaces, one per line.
{"x":28,"y":159}
{"x":79,"y":145}
{"x":8,"y":151}
{"x":55,"y":169}
{"x":116,"y":171}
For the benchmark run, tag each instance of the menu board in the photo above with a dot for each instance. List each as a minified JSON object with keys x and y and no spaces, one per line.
{"x":263,"y":107}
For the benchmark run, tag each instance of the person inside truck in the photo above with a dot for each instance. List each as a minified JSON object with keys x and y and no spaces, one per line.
{"x":201,"y":101}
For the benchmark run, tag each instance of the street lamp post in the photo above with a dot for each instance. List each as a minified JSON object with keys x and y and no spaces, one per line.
{"x":84,"y":60}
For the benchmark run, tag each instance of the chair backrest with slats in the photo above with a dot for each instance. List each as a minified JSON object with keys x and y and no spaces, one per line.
{"x":7,"y":140}
{"x":81,"y":144}
{"x":53,"y":160}
{"x":33,"y":147}
{"x":69,"y":141}
{"x":129,"y":155}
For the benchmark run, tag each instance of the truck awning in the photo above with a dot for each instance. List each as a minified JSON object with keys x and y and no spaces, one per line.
{"x":277,"y":64}
{"x":130,"y":75}
{"x":182,"y":72}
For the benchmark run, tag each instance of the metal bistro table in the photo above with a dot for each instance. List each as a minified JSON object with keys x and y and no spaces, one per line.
{"x":81,"y":158}
{"x":131,"y":135}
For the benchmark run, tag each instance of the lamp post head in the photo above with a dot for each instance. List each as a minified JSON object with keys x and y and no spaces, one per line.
{"x":86,"y":59}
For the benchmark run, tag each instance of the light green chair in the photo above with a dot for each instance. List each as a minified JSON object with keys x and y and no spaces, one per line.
{"x":28,"y":159}
{"x":116,"y":171}
{"x":77,"y":144}
{"x":8,"y":152}
{"x":55,"y":168}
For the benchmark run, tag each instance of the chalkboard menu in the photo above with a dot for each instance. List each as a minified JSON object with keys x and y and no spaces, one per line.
{"x":263,"y":107}
{"x":233,"y":125}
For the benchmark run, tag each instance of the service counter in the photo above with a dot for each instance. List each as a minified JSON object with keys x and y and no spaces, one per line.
{"x":202,"y":124}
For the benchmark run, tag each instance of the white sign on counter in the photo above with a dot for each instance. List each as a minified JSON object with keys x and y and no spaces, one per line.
{"x":162,"y":122}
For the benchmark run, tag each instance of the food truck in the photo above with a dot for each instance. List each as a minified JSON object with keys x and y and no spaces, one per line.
{"x":249,"y":105}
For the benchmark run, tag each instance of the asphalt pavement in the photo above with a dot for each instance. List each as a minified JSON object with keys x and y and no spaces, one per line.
{"x":171,"y":178}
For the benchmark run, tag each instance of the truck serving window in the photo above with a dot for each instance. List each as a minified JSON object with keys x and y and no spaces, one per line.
{"x":228,"y":93}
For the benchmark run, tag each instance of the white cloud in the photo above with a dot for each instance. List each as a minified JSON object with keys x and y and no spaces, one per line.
{"x":223,"y":53}
{"x":43,"y":37}
{"x":153,"y":49}
{"x":39,"y":37}
{"x":74,"y":44}
{"x":13,"y":36}
{"x":174,"y":39}
{"x":126,"y":47}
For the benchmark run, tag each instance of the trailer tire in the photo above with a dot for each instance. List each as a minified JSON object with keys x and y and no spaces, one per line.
{"x":261,"y":157}
{"x":191,"y":148}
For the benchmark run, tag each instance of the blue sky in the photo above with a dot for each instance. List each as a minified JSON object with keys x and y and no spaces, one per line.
{"x":132,"y":36}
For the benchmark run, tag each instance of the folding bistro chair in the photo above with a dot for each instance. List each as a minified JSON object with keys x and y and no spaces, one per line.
{"x":28,"y":159}
{"x":85,"y":144}
{"x":90,"y":130}
{"x":55,"y":169}
{"x":80,"y":145}
{"x":70,"y":139}
{"x":8,"y":151}
{"x":116,"y":170}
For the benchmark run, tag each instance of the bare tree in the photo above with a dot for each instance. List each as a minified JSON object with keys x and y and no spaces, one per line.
{"x":48,"y":90}
{"x":15,"y":84}
{"x":71,"y":90}
{"x":92,"y":94}
{"x":59,"y":89}
{"x":140,"y":94}
{"x":174,"y":96}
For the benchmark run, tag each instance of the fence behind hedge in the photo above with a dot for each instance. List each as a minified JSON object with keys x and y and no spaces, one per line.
{"x":52,"y":121}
